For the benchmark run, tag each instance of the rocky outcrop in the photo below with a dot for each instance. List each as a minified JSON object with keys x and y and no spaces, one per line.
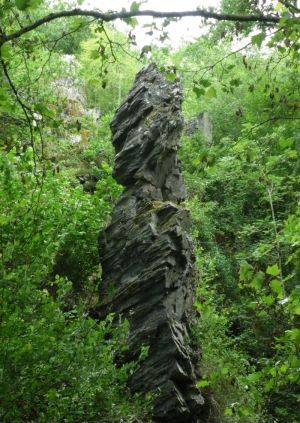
{"x":203,"y":123}
{"x":146,"y":252}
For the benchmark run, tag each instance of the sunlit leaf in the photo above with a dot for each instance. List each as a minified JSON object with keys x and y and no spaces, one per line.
{"x":5,"y":51}
{"x":268,"y":299}
{"x":273,"y":270}
{"x":211,"y":92}
{"x":94,"y":54}
{"x":171,"y":76}
{"x":203,"y":383}
{"x":276,"y":287}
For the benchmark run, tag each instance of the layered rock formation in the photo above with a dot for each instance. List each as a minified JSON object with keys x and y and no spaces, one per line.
{"x":146,"y":252}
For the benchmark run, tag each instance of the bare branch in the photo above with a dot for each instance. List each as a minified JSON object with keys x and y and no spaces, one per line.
{"x":108,"y":17}
{"x":26,"y":110}
{"x":273,"y":119}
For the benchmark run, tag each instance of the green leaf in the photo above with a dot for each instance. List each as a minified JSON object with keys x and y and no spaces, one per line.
{"x":273,"y":270}
{"x":254,"y":377}
{"x":281,"y":49}
{"x":131,"y":21}
{"x":146,"y":49}
{"x":211,"y":169}
{"x":171,"y":76}
{"x":235,"y":82}
{"x":269,"y":385}
{"x":257,"y":282}
{"x":93,"y":81}
{"x":295,"y":301}
{"x":286,"y":142}
{"x":279,"y":7}
{"x":294,"y":335}
{"x":22,"y":4}
{"x":4,"y":220}
{"x":135,"y":6}
{"x":34,"y":4}
{"x":198,"y":305}
{"x":276,"y":287}
{"x":198,"y":91}
{"x":295,"y":309}
{"x":262,"y":314}
{"x":228,"y":411}
{"x":246,"y":271}
{"x":283,"y":368}
{"x":94,"y":54}
{"x":205,"y":82}
{"x":268,"y":299}
{"x":5,"y":51}
{"x":203,"y":383}
{"x":244,"y":411}
{"x":78,"y":22}
{"x":5,"y":101}
{"x":43,"y":109}
{"x":258,"y":39}
{"x":224,"y":371}
{"x":293,"y":154}
{"x":211,"y":92}
{"x":144,"y":352}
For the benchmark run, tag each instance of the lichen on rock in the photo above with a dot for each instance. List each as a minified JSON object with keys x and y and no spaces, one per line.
{"x":146,"y":250}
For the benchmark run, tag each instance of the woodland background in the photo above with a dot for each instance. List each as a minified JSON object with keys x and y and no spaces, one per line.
{"x":60,"y":86}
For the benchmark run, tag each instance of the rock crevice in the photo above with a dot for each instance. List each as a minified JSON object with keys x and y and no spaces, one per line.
{"x":147,"y":255}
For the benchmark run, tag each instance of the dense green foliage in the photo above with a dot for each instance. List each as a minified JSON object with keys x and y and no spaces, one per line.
{"x":243,"y":191}
{"x":58,"y":363}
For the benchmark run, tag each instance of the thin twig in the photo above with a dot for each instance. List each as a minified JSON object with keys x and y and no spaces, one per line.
{"x":108,"y":17}
{"x":24,"y":107}
{"x":55,"y":42}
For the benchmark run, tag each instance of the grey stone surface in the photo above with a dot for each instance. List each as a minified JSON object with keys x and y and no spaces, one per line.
{"x":201,"y":122}
{"x":146,"y":252}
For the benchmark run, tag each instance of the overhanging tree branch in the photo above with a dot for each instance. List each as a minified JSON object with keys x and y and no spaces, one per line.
{"x":108,"y":17}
